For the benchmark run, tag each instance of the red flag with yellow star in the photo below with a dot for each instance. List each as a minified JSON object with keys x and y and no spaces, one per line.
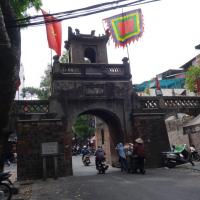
{"x":54,"y":32}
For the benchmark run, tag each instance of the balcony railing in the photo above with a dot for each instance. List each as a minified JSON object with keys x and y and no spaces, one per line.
{"x":30,"y":106}
{"x":92,"y":70}
{"x":167,"y":103}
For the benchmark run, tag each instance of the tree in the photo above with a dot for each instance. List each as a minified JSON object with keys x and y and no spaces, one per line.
{"x":29,"y":90}
{"x":43,"y":92}
{"x":192,"y":78}
{"x":21,"y":7}
{"x":83,"y":127}
{"x":65,"y":57}
{"x":10,"y":53}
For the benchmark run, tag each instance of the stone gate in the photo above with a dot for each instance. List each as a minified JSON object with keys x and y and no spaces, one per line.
{"x":87,"y":84}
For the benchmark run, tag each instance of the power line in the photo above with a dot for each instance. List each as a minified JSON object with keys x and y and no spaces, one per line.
{"x":63,"y":15}
{"x":86,"y":11}
{"x":76,"y":10}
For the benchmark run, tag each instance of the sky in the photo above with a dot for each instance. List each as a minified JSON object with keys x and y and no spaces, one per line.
{"x":171,"y":32}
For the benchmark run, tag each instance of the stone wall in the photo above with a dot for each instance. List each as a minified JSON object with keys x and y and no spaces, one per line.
{"x":151,"y":128}
{"x":31,"y":135}
{"x":175,"y":132}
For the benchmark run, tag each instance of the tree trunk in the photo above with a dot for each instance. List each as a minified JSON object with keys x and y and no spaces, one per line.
{"x":10,"y":52}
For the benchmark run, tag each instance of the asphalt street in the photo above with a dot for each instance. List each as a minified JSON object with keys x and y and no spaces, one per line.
{"x":181,"y":183}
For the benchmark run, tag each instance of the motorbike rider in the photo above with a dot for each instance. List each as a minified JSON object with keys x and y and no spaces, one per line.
{"x":85,"y":152}
{"x":99,"y":155}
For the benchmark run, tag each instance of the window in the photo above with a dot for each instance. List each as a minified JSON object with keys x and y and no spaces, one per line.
{"x":90,"y":54}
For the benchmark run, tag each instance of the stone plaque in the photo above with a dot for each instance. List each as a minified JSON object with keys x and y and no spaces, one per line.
{"x":94,"y":90}
{"x":49,"y":148}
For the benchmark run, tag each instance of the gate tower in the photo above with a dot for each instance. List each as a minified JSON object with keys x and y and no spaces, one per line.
{"x":84,"y":48}
{"x":87,"y":84}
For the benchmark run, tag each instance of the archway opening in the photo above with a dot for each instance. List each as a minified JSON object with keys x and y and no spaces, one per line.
{"x":91,"y":129}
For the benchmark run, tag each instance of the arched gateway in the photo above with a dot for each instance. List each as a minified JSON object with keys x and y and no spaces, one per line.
{"x":96,"y":88}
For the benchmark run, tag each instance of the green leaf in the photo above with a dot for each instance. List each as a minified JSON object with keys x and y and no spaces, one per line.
{"x":20,"y":6}
{"x":192,"y":75}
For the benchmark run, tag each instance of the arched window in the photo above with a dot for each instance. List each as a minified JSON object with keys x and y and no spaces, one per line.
{"x":90,"y":54}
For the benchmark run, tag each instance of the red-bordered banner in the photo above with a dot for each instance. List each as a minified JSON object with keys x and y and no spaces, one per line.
{"x":125,"y":27}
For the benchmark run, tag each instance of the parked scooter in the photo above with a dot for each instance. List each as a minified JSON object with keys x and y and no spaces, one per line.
{"x":178,"y":156}
{"x":86,"y":160}
{"x":101,"y":166}
{"x":5,"y":186}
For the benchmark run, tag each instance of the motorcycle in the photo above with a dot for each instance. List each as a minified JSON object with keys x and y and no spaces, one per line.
{"x":5,"y":186}
{"x":179,"y":156}
{"x":86,"y":160}
{"x":101,"y":166}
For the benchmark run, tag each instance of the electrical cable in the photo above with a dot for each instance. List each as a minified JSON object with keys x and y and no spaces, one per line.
{"x":60,"y":18}
{"x":71,"y":11}
{"x":39,"y":19}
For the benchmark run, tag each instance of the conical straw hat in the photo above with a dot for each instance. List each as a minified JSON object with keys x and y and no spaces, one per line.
{"x":139,"y":141}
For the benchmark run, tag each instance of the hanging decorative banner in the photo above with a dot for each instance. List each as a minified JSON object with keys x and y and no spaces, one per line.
{"x":125,"y":27}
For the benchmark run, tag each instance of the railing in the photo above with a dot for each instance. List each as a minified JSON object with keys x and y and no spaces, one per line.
{"x":30,"y":106}
{"x":144,"y":104}
{"x":98,"y":70}
{"x":167,"y":103}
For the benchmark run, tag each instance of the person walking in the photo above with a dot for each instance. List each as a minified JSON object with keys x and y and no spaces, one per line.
{"x":122,"y":157}
{"x":139,"y":156}
{"x":129,"y":156}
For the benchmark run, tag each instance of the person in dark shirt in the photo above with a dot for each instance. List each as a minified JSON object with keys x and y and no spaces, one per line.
{"x":84,"y":152}
{"x":139,"y":156}
{"x":99,"y":155}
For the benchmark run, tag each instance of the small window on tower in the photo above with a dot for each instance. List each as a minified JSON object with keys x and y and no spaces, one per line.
{"x":90,"y":54}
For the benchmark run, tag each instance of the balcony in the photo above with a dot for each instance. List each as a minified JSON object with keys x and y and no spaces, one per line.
{"x":91,"y":71}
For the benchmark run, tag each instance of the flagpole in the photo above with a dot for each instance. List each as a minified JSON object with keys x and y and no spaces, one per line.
{"x":51,"y":58}
{"x":51,"y":54}
{"x":128,"y":53}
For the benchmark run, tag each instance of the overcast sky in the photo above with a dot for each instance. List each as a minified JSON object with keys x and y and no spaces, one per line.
{"x":171,"y":32}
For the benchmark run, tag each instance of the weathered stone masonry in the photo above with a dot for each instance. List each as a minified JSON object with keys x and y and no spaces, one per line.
{"x":32,"y":134}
